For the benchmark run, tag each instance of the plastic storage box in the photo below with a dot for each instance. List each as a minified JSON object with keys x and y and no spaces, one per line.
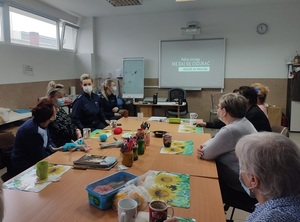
{"x":105,"y":201}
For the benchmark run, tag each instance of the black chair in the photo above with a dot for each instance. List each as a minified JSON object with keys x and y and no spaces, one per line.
{"x":6,"y":144}
{"x":174,"y":95}
{"x":236,"y":199}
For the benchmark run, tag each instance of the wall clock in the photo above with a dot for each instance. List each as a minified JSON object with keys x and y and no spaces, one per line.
{"x":262,"y":28}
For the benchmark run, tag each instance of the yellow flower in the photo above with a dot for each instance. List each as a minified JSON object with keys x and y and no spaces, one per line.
{"x":161,"y":193}
{"x":166,"y":179}
{"x":176,"y":150}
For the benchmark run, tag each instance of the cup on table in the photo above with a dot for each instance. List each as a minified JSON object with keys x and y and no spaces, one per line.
{"x":158,"y":211}
{"x":193,"y":118}
{"x":127,"y":210}
{"x":140,"y":115}
{"x":113,"y":123}
{"x":167,"y":140}
{"x":42,"y":169}
{"x":125,"y":113}
{"x":86,"y":133}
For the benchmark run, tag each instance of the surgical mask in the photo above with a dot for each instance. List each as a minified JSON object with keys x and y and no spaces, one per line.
{"x":88,"y":89}
{"x":248,"y":191}
{"x":114,"y":89}
{"x":60,"y":102}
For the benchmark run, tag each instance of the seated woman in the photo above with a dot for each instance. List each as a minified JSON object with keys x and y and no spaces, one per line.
{"x":86,"y":112}
{"x":231,"y":110}
{"x":270,"y":171}
{"x":32,"y":140}
{"x":61,"y":130}
{"x":262,"y":92}
{"x":108,"y":100}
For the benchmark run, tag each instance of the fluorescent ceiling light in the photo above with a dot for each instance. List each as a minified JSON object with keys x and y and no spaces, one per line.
{"x":117,"y":3}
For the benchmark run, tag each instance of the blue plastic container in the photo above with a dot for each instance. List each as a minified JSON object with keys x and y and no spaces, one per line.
{"x":105,"y":201}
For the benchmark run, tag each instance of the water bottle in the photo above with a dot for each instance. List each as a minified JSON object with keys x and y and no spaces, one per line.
{"x":155,"y":98}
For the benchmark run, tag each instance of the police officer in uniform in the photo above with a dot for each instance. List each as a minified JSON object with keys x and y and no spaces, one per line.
{"x":86,"y":112}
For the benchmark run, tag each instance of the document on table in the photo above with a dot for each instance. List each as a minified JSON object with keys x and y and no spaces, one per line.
{"x":157,"y":118}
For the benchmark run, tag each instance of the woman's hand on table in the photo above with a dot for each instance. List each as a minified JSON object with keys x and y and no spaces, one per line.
{"x":107,"y":122}
{"x":78,"y":133}
{"x":200,"y":152}
{"x":115,"y":109}
{"x":201,"y":123}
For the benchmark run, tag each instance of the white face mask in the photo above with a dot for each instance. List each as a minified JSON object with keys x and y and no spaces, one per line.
{"x":87,"y":89}
{"x":114,"y":89}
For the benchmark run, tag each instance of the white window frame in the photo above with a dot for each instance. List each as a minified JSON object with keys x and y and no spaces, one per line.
{"x":63,"y":34}
{"x":38,"y":17}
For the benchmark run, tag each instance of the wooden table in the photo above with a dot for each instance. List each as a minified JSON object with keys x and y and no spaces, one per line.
{"x":147,"y":108}
{"x":67,"y":199}
{"x":134,"y":123}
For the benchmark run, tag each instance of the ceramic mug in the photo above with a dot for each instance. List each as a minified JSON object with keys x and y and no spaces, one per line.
{"x":42,"y":169}
{"x":158,"y":211}
{"x":113,"y":123}
{"x":193,"y":115}
{"x":140,"y":115}
{"x":127,"y":210}
{"x":86,"y":133}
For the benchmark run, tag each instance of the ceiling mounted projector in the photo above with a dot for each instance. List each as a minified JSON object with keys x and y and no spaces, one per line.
{"x":117,"y":3}
{"x":191,"y":29}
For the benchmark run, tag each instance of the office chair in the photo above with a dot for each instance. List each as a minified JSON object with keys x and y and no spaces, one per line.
{"x":214,"y":105}
{"x":173,"y":96}
{"x":281,"y":129}
{"x":6,"y":144}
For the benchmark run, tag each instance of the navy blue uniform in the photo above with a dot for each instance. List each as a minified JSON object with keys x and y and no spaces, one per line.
{"x":108,"y":105}
{"x":86,"y":112}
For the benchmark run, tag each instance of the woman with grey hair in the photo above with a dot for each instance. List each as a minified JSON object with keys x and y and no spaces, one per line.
{"x":231,"y":110}
{"x":270,"y":171}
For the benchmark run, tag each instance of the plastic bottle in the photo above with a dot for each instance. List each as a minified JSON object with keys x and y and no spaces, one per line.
{"x":155,"y":98}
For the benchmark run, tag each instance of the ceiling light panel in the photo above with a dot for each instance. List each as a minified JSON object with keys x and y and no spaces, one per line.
{"x":117,"y":3}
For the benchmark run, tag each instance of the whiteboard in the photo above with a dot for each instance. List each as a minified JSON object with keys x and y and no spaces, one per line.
{"x":192,"y":64}
{"x":133,"y":78}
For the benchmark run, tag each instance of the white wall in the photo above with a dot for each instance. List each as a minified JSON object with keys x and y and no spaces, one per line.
{"x":47,"y":64}
{"x":248,"y":54}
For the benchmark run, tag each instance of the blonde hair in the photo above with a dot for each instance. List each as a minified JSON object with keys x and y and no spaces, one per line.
{"x":52,"y":88}
{"x":262,"y":91}
{"x":85,"y":76}
{"x":107,"y":83}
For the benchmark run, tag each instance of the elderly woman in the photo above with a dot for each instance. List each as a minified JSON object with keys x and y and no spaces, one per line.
{"x":231,"y":110}
{"x":61,"y":130}
{"x":108,"y":100}
{"x":86,"y":112}
{"x":32,"y":139}
{"x":270,"y":171}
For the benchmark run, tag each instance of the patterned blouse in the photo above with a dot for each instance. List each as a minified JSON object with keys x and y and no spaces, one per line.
{"x":62,"y":130}
{"x":285,"y":209}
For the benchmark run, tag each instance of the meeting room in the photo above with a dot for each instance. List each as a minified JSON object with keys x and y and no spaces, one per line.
{"x":144,"y":90}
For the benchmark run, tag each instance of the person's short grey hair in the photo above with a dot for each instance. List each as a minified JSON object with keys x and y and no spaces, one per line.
{"x":235,"y":104}
{"x":85,"y":76}
{"x":274,"y":159}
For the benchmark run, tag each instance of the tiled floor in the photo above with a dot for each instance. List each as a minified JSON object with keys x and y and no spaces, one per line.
{"x":240,"y":215}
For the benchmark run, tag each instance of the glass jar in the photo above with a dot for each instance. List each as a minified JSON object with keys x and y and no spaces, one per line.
{"x":127,"y":159}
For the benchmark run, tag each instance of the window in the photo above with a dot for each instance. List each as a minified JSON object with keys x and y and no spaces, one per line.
{"x":30,"y":29}
{"x":69,"y":36}
{"x":1,"y":23}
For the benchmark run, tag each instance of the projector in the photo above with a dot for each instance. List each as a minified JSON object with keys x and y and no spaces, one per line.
{"x":192,"y":29}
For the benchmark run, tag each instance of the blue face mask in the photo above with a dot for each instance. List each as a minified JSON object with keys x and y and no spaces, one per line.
{"x":248,"y":191}
{"x":60,"y":102}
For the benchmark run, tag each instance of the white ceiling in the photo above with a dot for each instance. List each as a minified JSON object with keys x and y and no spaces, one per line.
{"x":99,"y":8}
